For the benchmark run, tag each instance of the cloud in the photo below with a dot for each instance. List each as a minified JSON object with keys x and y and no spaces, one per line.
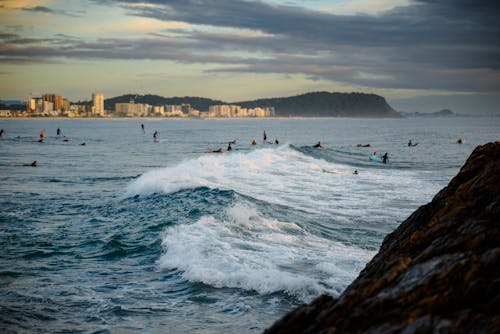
{"x":40,"y":9}
{"x":9,"y":5}
{"x":47,"y":10}
{"x":451,"y":45}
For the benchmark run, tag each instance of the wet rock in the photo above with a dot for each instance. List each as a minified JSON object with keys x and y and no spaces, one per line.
{"x":438,"y":272}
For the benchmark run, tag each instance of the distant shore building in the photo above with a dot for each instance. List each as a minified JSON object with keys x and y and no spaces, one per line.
{"x":172,"y":110}
{"x":55,"y":99}
{"x":158,"y":111}
{"x":98,"y":105}
{"x":132,"y":109}
{"x":231,"y":110}
{"x":56,"y":105}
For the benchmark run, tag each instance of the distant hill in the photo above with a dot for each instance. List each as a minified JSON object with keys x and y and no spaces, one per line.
{"x":11,"y":102}
{"x":325,"y":104}
{"x":199,"y":103}
{"x":317,"y":104}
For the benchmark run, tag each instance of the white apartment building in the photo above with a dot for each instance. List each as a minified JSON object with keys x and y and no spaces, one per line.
{"x":132,"y":109}
{"x":97,"y":104}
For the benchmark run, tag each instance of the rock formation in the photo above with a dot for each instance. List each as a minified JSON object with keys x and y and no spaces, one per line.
{"x":438,"y":272}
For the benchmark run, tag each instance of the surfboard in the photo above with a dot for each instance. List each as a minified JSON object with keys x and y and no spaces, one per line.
{"x":329,"y":171}
{"x":375,"y":158}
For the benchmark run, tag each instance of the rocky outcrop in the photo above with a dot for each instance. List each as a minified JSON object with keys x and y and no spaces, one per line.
{"x":438,"y":272}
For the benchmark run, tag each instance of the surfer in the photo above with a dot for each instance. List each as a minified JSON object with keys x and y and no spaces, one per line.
{"x":215,"y":151}
{"x":276,"y":141}
{"x":385,"y":158}
{"x":356,"y":172}
{"x":42,"y":136}
{"x":233,"y":141}
{"x":2,"y":132}
{"x":411,"y":144}
{"x":229,"y":148}
{"x":365,"y":145}
{"x":318,"y":145}
{"x":142,"y":127}
{"x":254,"y":142}
{"x":58,"y":132}
{"x":264,"y":137}
{"x":155,"y":136}
{"x":33,"y":164}
{"x":460,"y":141}
{"x":83,"y":144}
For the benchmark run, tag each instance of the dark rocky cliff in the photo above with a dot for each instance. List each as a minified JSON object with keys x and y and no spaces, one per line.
{"x":438,"y":272}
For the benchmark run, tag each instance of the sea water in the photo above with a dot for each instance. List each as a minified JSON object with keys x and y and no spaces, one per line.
{"x":126,"y":235}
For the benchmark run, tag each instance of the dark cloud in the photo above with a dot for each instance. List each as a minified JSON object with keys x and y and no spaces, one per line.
{"x":446,"y":44}
{"x":39,"y":9}
{"x":47,"y":10}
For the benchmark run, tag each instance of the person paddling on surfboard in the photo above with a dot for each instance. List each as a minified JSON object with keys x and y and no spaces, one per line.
{"x":33,"y":164}
{"x":410,"y":144}
{"x":318,"y":145}
{"x":42,"y":136}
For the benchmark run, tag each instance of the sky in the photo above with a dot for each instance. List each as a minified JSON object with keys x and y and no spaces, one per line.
{"x":421,"y":55}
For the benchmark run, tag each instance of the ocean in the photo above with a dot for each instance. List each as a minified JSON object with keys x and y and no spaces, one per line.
{"x":127,"y":235}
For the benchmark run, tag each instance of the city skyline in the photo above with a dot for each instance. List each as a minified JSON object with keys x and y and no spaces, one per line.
{"x":420,"y":55}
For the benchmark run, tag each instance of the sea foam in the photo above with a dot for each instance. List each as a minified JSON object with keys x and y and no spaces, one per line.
{"x":249,"y":251}
{"x":288,"y":177}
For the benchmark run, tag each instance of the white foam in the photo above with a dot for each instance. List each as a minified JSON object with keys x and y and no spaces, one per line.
{"x":248,"y":251}
{"x":285,"y":176}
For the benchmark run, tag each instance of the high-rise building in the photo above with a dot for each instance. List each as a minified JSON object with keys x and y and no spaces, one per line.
{"x":97,"y":104}
{"x":55,"y":99}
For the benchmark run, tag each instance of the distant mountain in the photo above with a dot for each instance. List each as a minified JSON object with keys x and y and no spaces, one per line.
{"x":11,"y":102}
{"x":325,"y":104}
{"x":317,"y":104}
{"x":199,"y":103}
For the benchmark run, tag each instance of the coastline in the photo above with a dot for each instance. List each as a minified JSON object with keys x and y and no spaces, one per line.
{"x":168,"y":118}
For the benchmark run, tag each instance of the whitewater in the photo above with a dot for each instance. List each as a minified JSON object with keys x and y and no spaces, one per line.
{"x":128,"y":235}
